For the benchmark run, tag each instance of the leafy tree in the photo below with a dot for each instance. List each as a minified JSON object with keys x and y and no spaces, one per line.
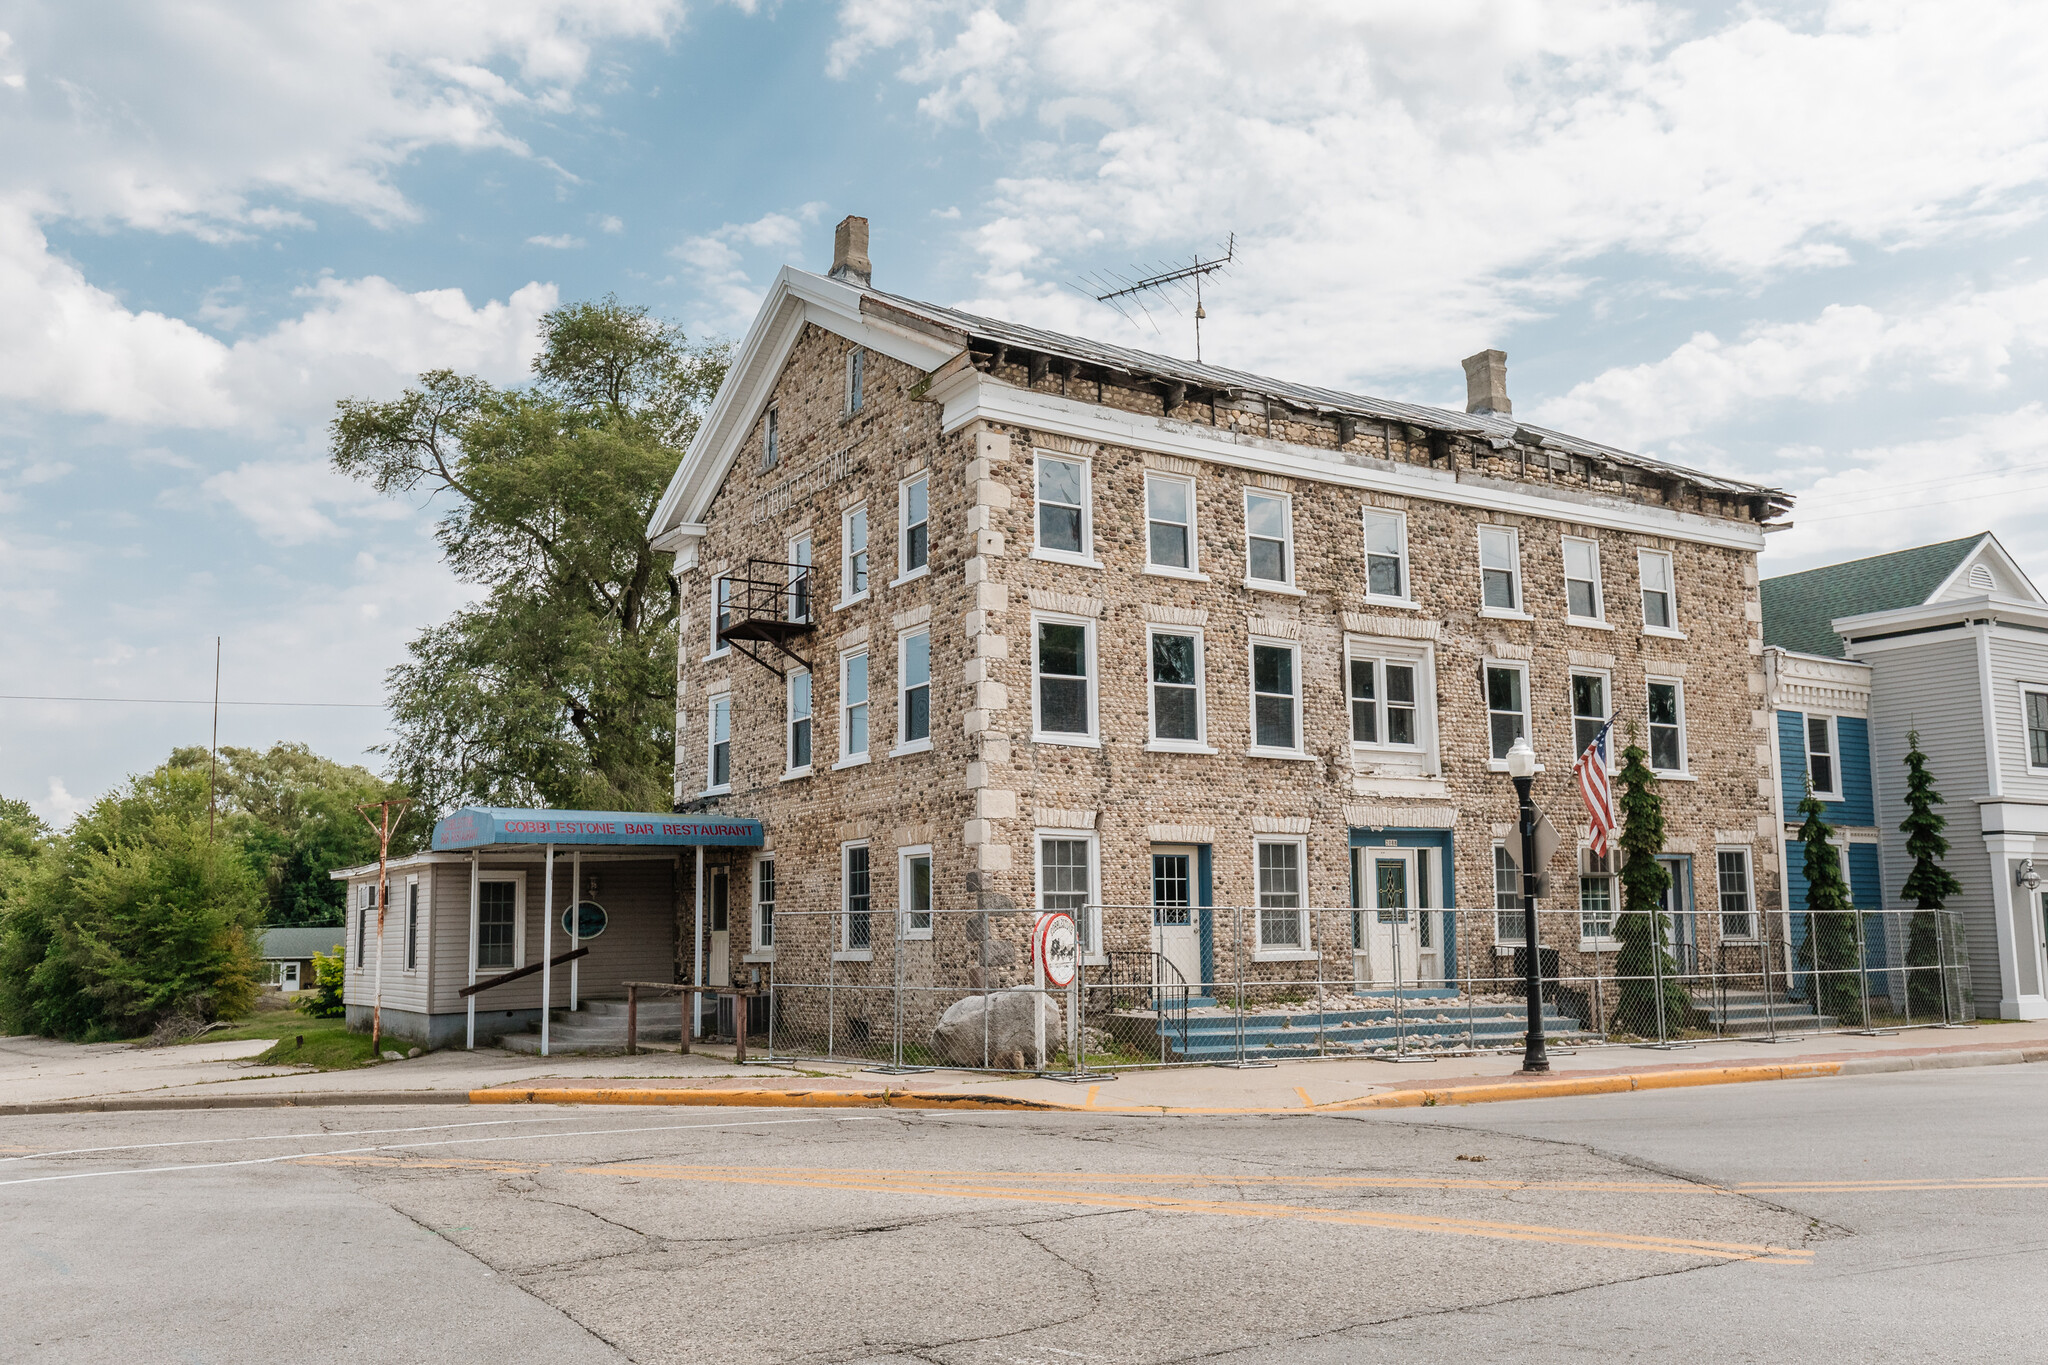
{"x":1640,"y":926}
{"x":1929,"y":884}
{"x":1830,"y":947}
{"x":324,"y":1000}
{"x":559,"y":687}
{"x":22,"y":832}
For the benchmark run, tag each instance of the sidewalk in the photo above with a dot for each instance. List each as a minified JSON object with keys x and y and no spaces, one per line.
{"x":38,"y":1075}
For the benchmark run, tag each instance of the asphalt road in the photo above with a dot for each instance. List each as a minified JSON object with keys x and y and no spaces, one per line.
{"x":1884,"y":1218}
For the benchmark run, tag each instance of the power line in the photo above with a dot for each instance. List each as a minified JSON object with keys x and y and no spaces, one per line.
{"x":1945,"y":502}
{"x":201,"y":701}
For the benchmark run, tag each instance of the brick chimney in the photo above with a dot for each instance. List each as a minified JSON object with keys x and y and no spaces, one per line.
{"x":1486,"y":379}
{"x":850,"y":252}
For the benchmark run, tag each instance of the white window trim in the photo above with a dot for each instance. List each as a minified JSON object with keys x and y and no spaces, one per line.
{"x":1307,"y":950}
{"x":906,"y":747}
{"x":789,"y":719}
{"x":2026,"y":746}
{"x":1093,"y":739}
{"x":1603,"y":943}
{"x":846,"y":559}
{"x":1285,"y":587}
{"x":855,"y":356}
{"x":1423,"y":658}
{"x":1517,"y":612}
{"x":1749,"y":872}
{"x":1598,"y":620}
{"x":719,"y":648}
{"x":771,"y":438}
{"x":847,"y":759}
{"x":756,"y":951}
{"x":409,"y":935}
{"x":1493,"y":851}
{"x":711,"y":741}
{"x":1253,"y":749}
{"x":1086,"y":559}
{"x":1091,"y":947}
{"x":1500,"y":765}
{"x":1193,"y":572}
{"x":518,"y":879}
{"x":1683,"y":772}
{"x":1834,"y":793}
{"x":1671,"y":632}
{"x":810,"y":543}
{"x":1572,"y":716}
{"x":903,"y":857}
{"x":843,"y":953}
{"x":903,"y":525}
{"x":1200,"y":743}
{"x":1405,"y":602}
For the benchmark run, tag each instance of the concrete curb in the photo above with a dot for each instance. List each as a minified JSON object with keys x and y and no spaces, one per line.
{"x":301,"y":1099}
{"x":763,"y":1099}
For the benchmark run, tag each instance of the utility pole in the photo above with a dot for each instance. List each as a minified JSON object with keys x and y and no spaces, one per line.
{"x":383,"y":824}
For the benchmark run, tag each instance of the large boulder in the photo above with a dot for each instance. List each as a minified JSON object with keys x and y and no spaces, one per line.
{"x":996,"y":1029}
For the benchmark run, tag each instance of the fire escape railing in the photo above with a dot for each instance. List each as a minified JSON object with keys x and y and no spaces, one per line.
{"x":767,"y":610}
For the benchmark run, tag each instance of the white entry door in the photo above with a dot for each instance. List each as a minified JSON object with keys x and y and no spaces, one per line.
{"x":1175,"y":935}
{"x":720,"y":966}
{"x":1389,"y":920}
{"x":288,"y":976}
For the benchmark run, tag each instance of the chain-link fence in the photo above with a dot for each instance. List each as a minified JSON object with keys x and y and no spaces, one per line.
{"x":1243,"y":984}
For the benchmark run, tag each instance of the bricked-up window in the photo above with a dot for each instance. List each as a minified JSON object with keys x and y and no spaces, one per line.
{"x":1281,"y":915}
{"x":771,"y":440}
{"x":1582,"y":579}
{"x":718,"y":772}
{"x":764,"y":903}
{"x":1500,"y":569}
{"x":1508,"y":919}
{"x":1269,"y":538}
{"x":1589,"y":710}
{"x":800,"y":579}
{"x":1170,"y":522}
{"x":1596,"y":898}
{"x":1667,"y":726}
{"x":1276,"y":697}
{"x":497,"y":924}
{"x":2037,"y":729}
{"x":1177,"y":703}
{"x":853,"y":708}
{"x":853,"y":555}
{"x":1063,"y":679}
{"x":913,"y":527}
{"x":914,"y":700}
{"x":856,"y":919}
{"x":1384,"y":702}
{"x":1660,"y":611}
{"x":1063,"y":517}
{"x":412,"y":925}
{"x":1066,"y":881}
{"x":1507,"y":707}
{"x":914,"y":878}
{"x":1731,"y":866}
{"x":1386,"y":555}
{"x":799,"y":722}
{"x":1820,"y":756}
{"x":721,"y":614}
{"x":856,"y":377}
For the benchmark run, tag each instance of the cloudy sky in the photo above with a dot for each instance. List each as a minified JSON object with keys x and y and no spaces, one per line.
{"x":1796,"y":242}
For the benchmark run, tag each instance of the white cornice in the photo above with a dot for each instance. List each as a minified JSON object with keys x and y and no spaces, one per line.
{"x":1985,"y":607}
{"x":970,"y":396}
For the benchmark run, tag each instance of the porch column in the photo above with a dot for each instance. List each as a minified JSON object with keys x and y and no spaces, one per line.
{"x":471,"y":1000}
{"x":697,"y":976}
{"x":575,"y":917}
{"x":547,"y":948}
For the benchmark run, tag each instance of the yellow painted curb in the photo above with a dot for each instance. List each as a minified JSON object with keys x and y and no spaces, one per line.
{"x":1561,"y":1086}
{"x":757,"y":1099}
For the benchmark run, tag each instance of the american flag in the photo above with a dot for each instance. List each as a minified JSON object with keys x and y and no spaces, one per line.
{"x":1596,"y":790}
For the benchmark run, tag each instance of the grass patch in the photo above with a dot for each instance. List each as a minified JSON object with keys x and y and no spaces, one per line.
{"x":327,"y":1045}
{"x":285,"y":1023}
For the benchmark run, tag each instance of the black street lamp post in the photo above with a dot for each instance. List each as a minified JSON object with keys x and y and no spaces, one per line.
{"x":1522,"y":771}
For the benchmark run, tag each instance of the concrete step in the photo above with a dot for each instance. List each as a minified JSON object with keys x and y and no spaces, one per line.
{"x":667,"y":1006}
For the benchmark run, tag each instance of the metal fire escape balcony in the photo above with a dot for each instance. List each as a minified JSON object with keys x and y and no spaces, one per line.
{"x":768,"y":610}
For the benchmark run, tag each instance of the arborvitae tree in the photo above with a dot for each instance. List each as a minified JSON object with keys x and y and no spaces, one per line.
{"x":1640,"y":926}
{"x":1830,"y":947}
{"x":1929,"y":884}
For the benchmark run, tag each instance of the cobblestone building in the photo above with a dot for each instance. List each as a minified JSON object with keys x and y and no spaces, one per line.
{"x":1083,"y":626}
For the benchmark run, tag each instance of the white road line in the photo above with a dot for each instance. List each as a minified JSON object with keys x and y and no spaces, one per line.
{"x":286,"y":1137}
{"x":415,"y":1146}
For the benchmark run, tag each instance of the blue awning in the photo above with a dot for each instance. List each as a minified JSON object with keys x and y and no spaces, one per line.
{"x":493,"y":827}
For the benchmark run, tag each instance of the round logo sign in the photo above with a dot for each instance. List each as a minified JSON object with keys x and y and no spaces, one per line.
{"x":589,"y":920}
{"x":1059,"y":948}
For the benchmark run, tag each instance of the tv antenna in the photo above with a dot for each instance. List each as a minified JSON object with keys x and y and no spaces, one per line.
{"x":1170,"y":284}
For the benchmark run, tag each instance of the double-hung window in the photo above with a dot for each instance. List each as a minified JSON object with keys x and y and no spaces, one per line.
{"x":1064,"y":530}
{"x":2036,"y":706}
{"x":1276,"y":697}
{"x":1384,"y":702}
{"x":718,"y":771}
{"x":1731,"y":866}
{"x":1500,"y":569}
{"x":1667,"y":726}
{"x":799,"y":571}
{"x":856,"y":919}
{"x":1386,"y":555}
{"x":914,"y":879}
{"x":853,"y":708}
{"x":1507,"y":707}
{"x":764,"y":905}
{"x":771,"y":440}
{"x":1063,"y":680}
{"x":1820,"y":757}
{"x":369,"y":908}
{"x":721,"y":615}
{"x":914,"y":693}
{"x":1660,"y":607}
{"x":1178,"y":707}
{"x":1589,"y":711}
{"x":1170,"y":523}
{"x":856,"y":378}
{"x":799,"y":722}
{"x":497,"y":923}
{"x":412,"y":924}
{"x":1508,"y":920}
{"x":913,"y":528}
{"x":1269,"y":539}
{"x":1582,"y":581}
{"x":1282,"y":918}
{"x":1596,"y":898}
{"x":853,"y":556}
{"x":1066,"y":881}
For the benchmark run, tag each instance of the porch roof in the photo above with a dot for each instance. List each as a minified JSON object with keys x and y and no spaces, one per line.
{"x":486,"y":827}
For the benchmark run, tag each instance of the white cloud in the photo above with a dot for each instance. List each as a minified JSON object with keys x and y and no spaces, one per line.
{"x":59,"y":807}
{"x":612,"y":223}
{"x":560,"y":241}
{"x":716,"y":266}
{"x":295,"y":502}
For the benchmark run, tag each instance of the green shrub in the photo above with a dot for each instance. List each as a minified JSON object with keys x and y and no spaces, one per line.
{"x":324,"y":1000}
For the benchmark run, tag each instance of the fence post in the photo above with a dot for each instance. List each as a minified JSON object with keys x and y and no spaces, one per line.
{"x":1657,"y":969}
{"x":1862,"y":971}
{"x":1237,"y":954}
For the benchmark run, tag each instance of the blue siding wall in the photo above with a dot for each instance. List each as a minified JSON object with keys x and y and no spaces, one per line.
{"x":1858,"y":805}
{"x":1866,"y":891}
{"x":1792,"y":760}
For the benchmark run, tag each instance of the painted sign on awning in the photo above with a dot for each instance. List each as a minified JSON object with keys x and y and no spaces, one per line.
{"x":493,"y":826}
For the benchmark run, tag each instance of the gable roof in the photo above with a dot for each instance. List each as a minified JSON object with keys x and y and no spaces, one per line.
{"x":1800,"y":608}
{"x":301,"y":943}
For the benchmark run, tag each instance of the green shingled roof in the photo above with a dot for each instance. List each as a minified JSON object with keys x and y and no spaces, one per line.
{"x":1799,"y":606}
{"x":294,"y":942}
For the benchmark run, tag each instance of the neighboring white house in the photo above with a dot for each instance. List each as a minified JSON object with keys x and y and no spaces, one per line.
{"x":288,"y":954}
